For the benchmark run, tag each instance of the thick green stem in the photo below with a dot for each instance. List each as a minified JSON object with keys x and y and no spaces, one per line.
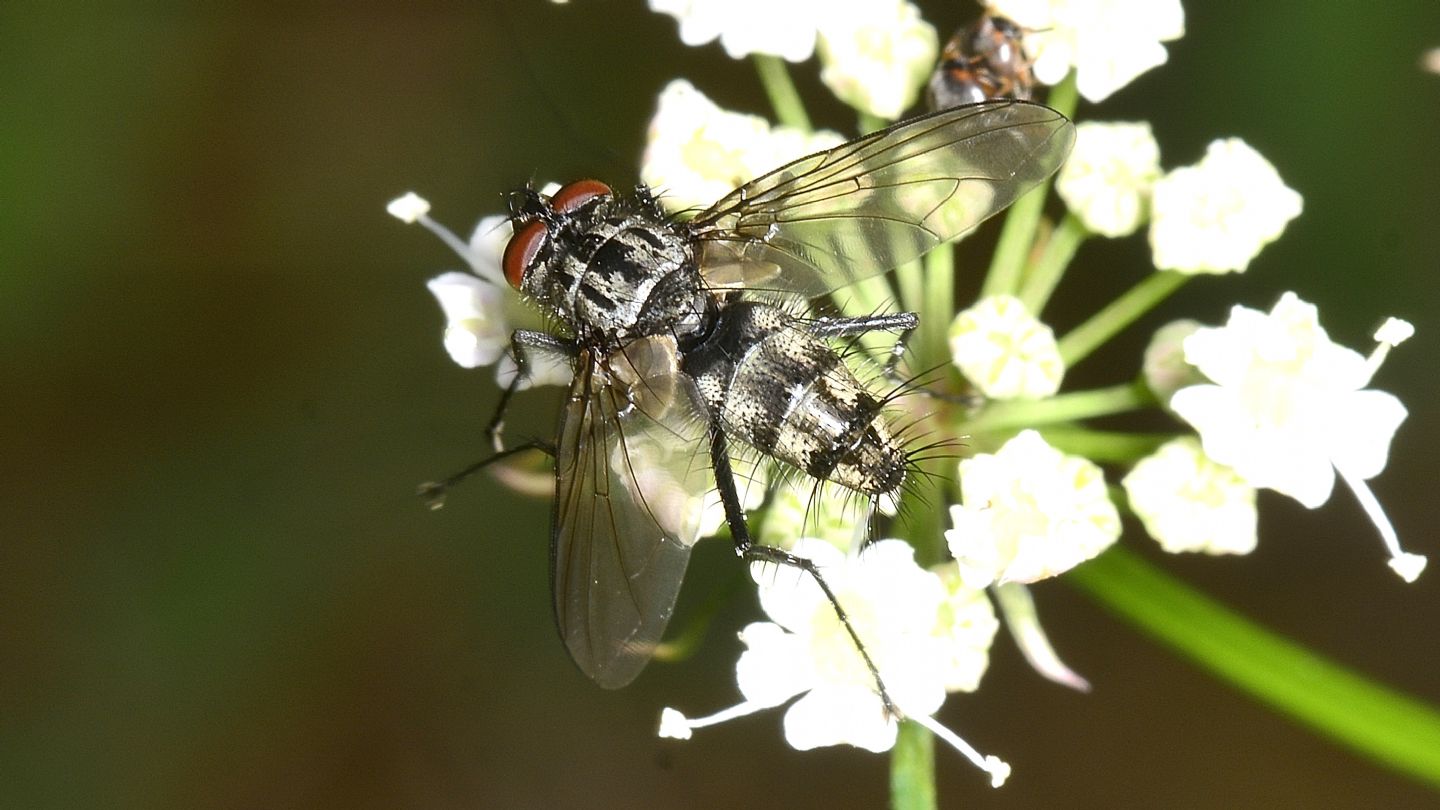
{"x":775,"y":77}
{"x":1120,"y":313}
{"x":912,"y":769}
{"x":1018,"y":414}
{"x":1391,"y":728}
{"x":1044,"y":274}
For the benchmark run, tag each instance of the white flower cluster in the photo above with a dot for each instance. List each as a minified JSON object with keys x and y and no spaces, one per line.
{"x":1274,"y":403}
{"x":924,"y":636}
{"x":1213,"y":217}
{"x":1188,"y":502}
{"x":697,"y":152}
{"x":784,"y":28}
{"x":1029,"y":512}
{"x":1288,"y":409}
{"x":875,"y":55}
{"x":1109,"y":176}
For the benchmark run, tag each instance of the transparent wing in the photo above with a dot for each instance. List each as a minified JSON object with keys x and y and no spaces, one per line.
{"x":830,"y":219}
{"x":630,"y":484}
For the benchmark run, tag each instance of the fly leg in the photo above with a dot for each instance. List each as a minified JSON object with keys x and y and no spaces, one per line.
{"x":751,"y":551}
{"x":907,"y":323}
{"x":850,"y":327}
{"x":433,"y":492}
{"x":522,"y":340}
{"x":521,"y":343}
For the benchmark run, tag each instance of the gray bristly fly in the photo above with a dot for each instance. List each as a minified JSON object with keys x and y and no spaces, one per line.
{"x":682,"y":346}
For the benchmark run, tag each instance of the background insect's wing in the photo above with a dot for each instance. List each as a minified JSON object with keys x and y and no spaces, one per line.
{"x":830,"y":219}
{"x":628,"y":496}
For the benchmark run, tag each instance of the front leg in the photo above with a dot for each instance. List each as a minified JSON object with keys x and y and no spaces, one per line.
{"x":522,"y":341}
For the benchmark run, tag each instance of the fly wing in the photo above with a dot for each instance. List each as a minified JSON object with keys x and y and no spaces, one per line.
{"x":629,"y":495}
{"x":835,"y":217}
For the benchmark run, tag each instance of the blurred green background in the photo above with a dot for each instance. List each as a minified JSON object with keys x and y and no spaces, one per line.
{"x":223,"y":378}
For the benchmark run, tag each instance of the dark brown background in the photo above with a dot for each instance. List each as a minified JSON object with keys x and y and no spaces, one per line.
{"x":223,"y":378}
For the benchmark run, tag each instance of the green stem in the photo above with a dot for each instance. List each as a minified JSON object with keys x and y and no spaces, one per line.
{"x":1104,"y":445}
{"x":911,"y":280}
{"x":1391,"y":728}
{"x":1120,"y":313}
{"x":937,"y":306}
{"x":912,"y":769}
{"x":775,"y":77}
{"x":1017,"y":236}
{"x":1044,"y":274}
{"x":867,"y":297}
{"x":1064,"y":96}
{"x":1016,"y":414}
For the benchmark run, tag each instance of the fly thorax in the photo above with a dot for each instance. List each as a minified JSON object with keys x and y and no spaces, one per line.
{"x":603,"y":274}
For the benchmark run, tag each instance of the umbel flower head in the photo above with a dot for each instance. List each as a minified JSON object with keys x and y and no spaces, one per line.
{"x":1188,"y":502}
{"x":876,"y":54}
{"x":1274,"y":403}
{"x":783,"y":28}
{"x":1108,"y":178}
{"x":1008,"y":354}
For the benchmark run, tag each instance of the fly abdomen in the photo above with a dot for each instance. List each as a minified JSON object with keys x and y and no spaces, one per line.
{"x":785,"y":392}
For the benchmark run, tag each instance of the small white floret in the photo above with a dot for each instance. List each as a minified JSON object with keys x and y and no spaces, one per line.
{"x":1188,"y":502}
{"x":1107,"y":179}
{"x":875,"y":56}
{"x":1215,"y":216}
{"x":1029,"y":512}
{"x":1005,"y":351}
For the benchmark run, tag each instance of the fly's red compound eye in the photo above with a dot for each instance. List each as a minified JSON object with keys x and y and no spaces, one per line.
{"x":521,"y":250}
{"x":576,"y":194}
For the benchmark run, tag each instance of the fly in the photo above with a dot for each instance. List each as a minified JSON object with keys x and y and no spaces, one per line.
{"x":682,"y":348}
{"x":984,"y":60}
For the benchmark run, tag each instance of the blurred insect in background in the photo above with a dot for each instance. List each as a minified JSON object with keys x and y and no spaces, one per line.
{"x":687,"y":339}
{"x":982,"y":61}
